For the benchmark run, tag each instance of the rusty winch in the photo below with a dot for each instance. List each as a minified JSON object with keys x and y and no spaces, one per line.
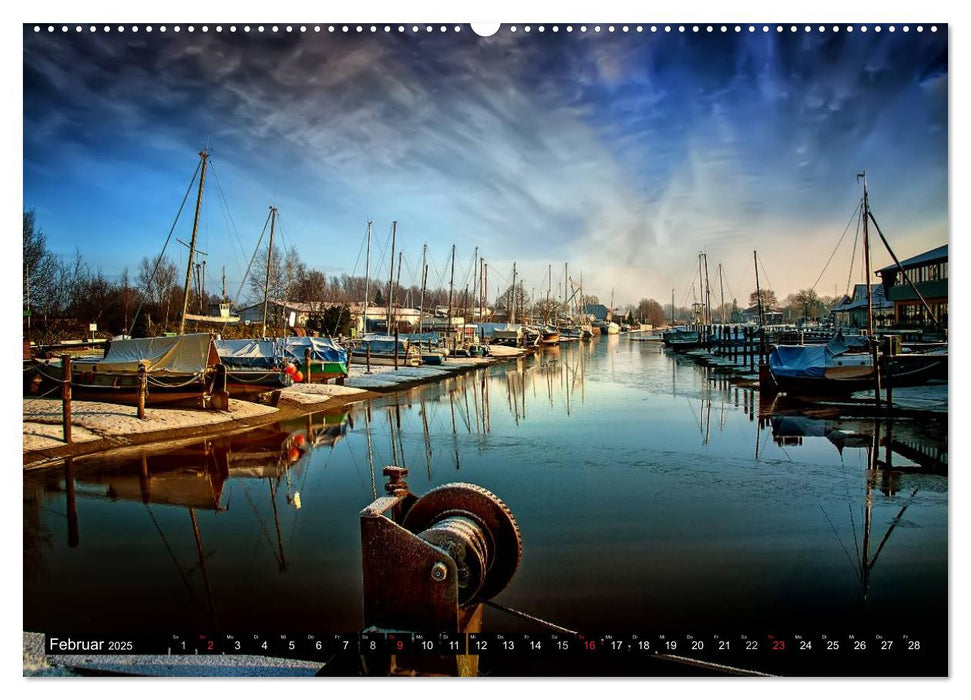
{"x":429,"y":562}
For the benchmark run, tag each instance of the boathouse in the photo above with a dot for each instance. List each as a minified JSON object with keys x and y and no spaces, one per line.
{"x":599,"y":312}
{"x":851,"y":311}
{"x":928,"y":272}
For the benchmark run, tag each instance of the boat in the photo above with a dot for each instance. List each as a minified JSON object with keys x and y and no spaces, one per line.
{"x":834,"y":369}
{"x":430,"y":345}
{"x":179,"y":369}
{"x":680,"y":339}
{"x":648,"y":337}
{"x":328,"y":359}
{"x":510,"y":335}
{"x":380,"y":350}
{"x":610,"y":328}
{"x":253,"y":367}
{"x":549,"y":336}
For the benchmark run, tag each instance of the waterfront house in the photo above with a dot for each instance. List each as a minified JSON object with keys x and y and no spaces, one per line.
{"x":928,"y":272}
{"x":599,"y":312}
{"x":851,"y":311}
{"x":751,"y":316}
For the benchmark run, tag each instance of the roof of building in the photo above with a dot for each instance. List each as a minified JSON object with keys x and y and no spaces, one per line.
{"x":598,"y":310}
{"x":936,"y":255}
{"x":858,"y":300}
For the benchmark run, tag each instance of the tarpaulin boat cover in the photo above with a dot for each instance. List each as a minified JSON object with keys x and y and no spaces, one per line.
{"x":422,"y":337}
{"x":323,"y":349}
{"x":383,"y":343}
{"x":806,"y":360}
{"x":799,"y":360}
{"x":248,"y":353}
{"x":182,"y":354}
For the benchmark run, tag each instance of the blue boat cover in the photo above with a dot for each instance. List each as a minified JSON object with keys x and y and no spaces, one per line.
{"x":249,"y":353}
{"x":322,"y":349}
{"x":383,"y":344}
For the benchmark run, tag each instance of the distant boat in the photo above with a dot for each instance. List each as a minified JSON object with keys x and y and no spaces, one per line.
{"x":510,"y":335}
{"x":549,"y":336}
{"x":610,"y":328}
{"x":682,"y":339}
{"x":380,"y":350}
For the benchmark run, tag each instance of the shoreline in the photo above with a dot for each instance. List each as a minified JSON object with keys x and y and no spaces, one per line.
{"x":124,"y":431}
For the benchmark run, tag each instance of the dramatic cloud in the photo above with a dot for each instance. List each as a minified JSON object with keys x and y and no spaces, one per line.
{"x":623,"y":154}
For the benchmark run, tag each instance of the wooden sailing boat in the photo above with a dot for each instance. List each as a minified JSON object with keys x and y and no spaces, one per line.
{"x":814,"y":370}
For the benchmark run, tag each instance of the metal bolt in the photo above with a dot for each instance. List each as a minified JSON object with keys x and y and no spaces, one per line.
{"x":439,"y":571}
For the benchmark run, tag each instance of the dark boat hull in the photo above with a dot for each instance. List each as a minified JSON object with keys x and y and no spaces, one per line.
{"x":901,"y":371}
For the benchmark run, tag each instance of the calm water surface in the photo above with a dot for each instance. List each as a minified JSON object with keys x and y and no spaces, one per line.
{"x":650,"y":495}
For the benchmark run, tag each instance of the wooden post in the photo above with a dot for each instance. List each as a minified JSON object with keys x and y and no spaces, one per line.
{"x":306,"y":363}
{"x":750,"y":348}
{"x":888,"y":360}
{"x":142,"y":389}
{"x":350,"y":359}
{"x":396,"y":345}
{"x":368,"y":358}
{"x":66,"y":396}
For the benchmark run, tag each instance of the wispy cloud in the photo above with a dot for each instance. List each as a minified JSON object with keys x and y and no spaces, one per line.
{"x":624,"y":155}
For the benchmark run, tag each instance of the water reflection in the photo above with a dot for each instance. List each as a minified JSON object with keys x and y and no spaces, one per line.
{"x":641,"y":482}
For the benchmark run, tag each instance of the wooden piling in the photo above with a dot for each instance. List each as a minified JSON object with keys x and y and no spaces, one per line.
{"x":142,"y":389}
{"x":306,"y":365}
{"x":66,"y":396}
{"x":889,"y":352}
{"x":750,"y":349}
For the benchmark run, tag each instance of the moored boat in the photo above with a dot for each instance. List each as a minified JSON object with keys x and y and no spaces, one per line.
{"x":380,"y":350}
{"x":833,"y":369}
{"x":178,"y":369}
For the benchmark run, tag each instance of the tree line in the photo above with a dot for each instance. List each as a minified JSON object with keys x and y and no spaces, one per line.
{"x":61,"y":297}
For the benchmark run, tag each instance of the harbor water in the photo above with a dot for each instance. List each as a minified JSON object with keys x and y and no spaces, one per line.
{"x":651,"y":495}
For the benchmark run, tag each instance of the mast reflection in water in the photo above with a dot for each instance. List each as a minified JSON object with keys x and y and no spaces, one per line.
{"x":651,"y":496}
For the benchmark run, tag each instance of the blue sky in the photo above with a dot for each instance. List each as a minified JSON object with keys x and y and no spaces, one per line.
{"x":621,"y":154}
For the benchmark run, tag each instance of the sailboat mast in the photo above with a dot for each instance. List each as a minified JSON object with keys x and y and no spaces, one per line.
{"x":707,"y":292}
{"x":451,"y":284}
{"x":204,"y":154}
{"x":424,"y":278}
{"x":758,"y":289}
{"x":721,"y":291}
{"x":701,"y":291}
{"x":397,"y":288}
{"x":390,"y":301}
{"x":866,"y":255}
{"x":566,"y":281}
{"x":549,"y":284}
{"x":512,"y":301}
{"x":269,"y":259}
{"x":869,"y":291}
{"x":475,"y":276}
{"x":367,"y":279}
{"x":485,"y":287}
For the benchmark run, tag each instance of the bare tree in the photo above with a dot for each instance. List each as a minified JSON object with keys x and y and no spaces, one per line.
{"x":40,"y":268}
